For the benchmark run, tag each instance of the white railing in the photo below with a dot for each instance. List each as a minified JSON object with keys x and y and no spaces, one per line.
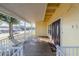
{"x":11,"y":51}
{"x":59,"y":51}
{"x":7,"y":49}
{"x":6,"y":45}
{"x":6,"y":42}
{"x":67,"y":51}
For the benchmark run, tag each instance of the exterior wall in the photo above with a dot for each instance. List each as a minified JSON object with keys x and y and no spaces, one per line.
{"x":69,"y":15}
{"x":70,"y":27}
{"x":41,"y":28}
{"x":59,"y":13}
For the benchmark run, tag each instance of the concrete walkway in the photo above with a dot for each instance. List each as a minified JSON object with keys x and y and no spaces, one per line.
{"x":34,"y":47}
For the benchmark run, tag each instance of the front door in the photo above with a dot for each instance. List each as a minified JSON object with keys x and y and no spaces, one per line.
{"x":56,"y":32}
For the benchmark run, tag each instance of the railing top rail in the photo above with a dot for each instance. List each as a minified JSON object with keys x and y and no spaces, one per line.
{"x":4,"y":38}
{"x":69,"y":46}
{"x":7,"y":37}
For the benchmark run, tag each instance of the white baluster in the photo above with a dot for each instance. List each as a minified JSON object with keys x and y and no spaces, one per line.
{"x":18,"y":51}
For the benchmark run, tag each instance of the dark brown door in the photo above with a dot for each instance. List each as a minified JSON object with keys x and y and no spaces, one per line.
{"x":56,"y":32}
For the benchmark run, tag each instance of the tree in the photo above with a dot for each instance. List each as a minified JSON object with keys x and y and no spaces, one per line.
{"x":10,"y":21}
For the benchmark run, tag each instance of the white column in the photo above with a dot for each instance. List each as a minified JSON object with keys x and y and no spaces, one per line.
{"x":24,"y":30}
{"x":31,"y":29}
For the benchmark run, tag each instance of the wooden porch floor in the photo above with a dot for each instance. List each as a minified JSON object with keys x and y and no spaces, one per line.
{"x":35,"y":47}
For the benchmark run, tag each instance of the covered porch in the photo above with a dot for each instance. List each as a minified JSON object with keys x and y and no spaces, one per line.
{"x":44,"y":29}
{"x":26,"y":42}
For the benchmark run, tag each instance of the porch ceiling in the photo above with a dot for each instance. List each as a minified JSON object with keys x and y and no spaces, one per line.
{"x":50,"y":10}
{"x":30,"y":12}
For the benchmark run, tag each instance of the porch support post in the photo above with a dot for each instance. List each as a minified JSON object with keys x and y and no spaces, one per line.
{"x":30,"y":29}
{"x":24,"y":30}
